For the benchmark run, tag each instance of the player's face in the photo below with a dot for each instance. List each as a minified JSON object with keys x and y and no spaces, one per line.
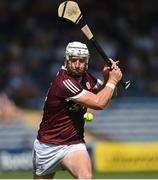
{"x":76,"y":66}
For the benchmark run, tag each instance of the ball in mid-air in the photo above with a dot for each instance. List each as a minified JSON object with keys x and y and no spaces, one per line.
{"x":88,"y":116}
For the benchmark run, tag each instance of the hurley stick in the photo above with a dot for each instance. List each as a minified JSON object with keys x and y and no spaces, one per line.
{"x":71,"y":11}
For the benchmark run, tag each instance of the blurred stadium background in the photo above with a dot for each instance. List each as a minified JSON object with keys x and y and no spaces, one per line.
{"x":123,"y":139}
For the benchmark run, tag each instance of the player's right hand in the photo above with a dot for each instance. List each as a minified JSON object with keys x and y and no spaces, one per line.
{"x":105,"y":72}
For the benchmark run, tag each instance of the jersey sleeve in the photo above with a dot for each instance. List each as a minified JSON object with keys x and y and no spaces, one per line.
{"x":69,"y":89}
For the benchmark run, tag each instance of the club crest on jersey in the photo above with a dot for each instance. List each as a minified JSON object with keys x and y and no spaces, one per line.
{"x":88,"y":85}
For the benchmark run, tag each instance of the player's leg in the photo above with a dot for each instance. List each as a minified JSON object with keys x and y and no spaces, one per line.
{"x":78,"y":164}
{"x":48,"y":176}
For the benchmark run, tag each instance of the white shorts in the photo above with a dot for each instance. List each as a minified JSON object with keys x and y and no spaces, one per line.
{"x":47,"y":157}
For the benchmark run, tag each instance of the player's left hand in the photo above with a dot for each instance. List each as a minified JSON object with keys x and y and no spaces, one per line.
{"x":114,"y":64}
{"x":107,"y":69}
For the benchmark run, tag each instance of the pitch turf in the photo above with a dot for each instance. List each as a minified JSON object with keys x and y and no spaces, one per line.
{"x":65,"y":175}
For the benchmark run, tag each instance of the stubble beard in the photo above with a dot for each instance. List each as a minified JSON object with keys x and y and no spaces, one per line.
{"x":77,"y":73}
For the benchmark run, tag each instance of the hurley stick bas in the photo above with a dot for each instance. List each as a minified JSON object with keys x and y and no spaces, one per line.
{"x":71,"y":11}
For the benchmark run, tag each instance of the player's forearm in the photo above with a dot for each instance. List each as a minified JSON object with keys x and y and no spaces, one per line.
{"x":97,"y":101}
{"x":104,"y":96}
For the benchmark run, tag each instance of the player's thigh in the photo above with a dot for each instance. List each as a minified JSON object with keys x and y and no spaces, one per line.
{"x":78,"y":163}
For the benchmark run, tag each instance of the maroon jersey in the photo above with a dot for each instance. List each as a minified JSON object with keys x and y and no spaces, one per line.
{"x":62,"y":121}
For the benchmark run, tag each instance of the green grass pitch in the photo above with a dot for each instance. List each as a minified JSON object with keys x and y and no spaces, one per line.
{"x":96,"y":175}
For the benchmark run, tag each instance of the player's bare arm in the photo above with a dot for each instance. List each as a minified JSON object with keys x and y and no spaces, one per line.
{"x":100,"y":100}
